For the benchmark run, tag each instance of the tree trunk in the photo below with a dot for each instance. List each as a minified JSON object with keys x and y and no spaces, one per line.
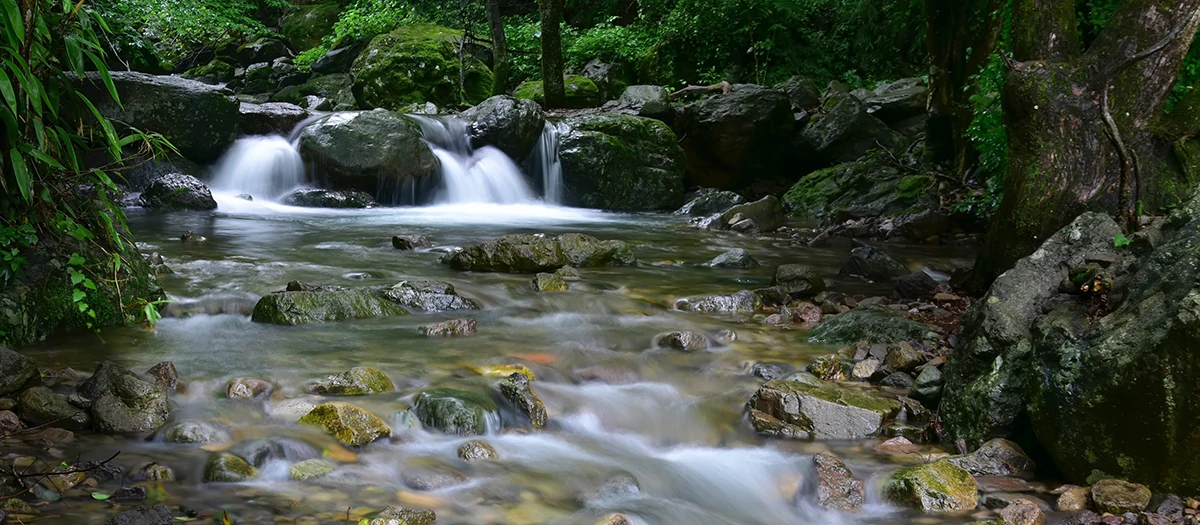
{"x":499,"y":48}
{"x":552,"y":65}
{"x":1082,"y":131}
{"x":961,"y":37}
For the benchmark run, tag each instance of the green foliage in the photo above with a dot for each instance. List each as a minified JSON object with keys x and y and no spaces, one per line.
{"x":988,"y":136}
{"x":177,"y":29}
{"x":365,"y":19}
{"x":1121,"y":241}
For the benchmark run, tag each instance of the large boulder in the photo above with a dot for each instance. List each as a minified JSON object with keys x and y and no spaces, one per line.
{"x":265,"y":49}
{"x":610,"y":78}
{"x":870,"y":324}
{"x":430,"y":296}
{"x":643,"y":101}
{"x":620,"y":162}
{"x":858,"y":189}
{"x":316,"y":198}
{"x":845,"y":131}
{"x":348,"y":423}
{"x":710,"y":202}
{"x":367,"y":151}
{"x":733,"y":140}
{"x":122,"y":402}
{"x":270,"y":118}
{"x":506,"y":123}
{"x":933,"y":487}
{"x":304,"y":28}
{"x":41,"y":406}
{"x":418,"y":63}
{"x":177,"y":191}
{"x":16,"y":372}
{"x":796,"y":409}
{"x":766,"y":215}
{"x":301,"y":307}
{"x":529,"y":253}
{"x":455,"y":411}
{"x":894,"y":102}
{"x":580,"y":92}
{"x":199,"y":119}
{"x":338,"y":60}
{"x":873,"y":263}
{"x":802,"y":92}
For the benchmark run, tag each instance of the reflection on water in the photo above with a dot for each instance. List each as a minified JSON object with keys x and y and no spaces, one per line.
{"x":618,"y":408}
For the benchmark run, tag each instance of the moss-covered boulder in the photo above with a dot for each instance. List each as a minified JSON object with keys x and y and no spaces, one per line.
{"x":224,"y":467}
{"x":518,"y":390}
{"x":42,"y":406}
{"x":871,"y":324}
{"x":310,"y":469}
{"x":301,"y":307}
{"x":199,"y":119}
{"x":122,"y":402}
{"x":16,"y":372}
{"x":858,"y":189}
{"x":194,"y":432}
{"x":430,"y":296}
{"x":348,"y":423}
{"x":177,"y":191}
{"x":620,"y":162}
{"x":304,"y":28}
{"x":933,"y":487}
{"x":358,"y":381}
{"x":418,"y":63}
{"x":367,"y":151}
{"x":509,"y":124}
{"x":793,"y":409}
{"x":845,"y":131}
{"x":533,"y":253}
{"x":316,"y":198}
{"x":581,"y":92}
{"x":740,"y":302}
{"x":217,"y":71}
{"x":455,"y":411}
{"x":1114,"y":496}
{"x":731,"y":141}
{"x":643,"y":101}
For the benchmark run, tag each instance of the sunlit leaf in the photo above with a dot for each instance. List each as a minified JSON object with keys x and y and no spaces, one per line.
{"x":100,"y":496}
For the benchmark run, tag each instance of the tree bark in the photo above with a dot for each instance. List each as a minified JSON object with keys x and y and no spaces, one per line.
{"x":961,"y":37}
{"x":552,"y":65}
{"x":1082,"y":133}
{"x":1044,"y":30}
{"x":499,"y":48}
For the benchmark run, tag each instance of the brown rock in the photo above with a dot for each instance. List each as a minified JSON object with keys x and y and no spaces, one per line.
{"x":164,"y":375}
{"x":1114,"y":496}
{"x":9,"y":422}
{"x":1074,"y":499}
{"x":838,"y":489}
{"x":614,"y":519}
{"x":807,"y":313}
{"x":248,"y":388}
{"x":1022,"y":512}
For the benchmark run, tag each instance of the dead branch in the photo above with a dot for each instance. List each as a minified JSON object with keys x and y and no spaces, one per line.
{"x":45,"y":475}
{"x":724,"y":88}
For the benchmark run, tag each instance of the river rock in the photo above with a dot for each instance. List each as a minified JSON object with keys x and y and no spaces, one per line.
{"x":710,"y":202}
{"x":998,"y":457}
{"x":915,"y":286}
{"x":201,"y":121}
{"x":899,"y":380}
{"x":410,"y":242}
{"x":194,"y":432}
{"x":731,"y":141}
{"x":317,"y":198}
{"x":476,"y":450}
{"x":357,"y":381}
{"x":301,"y":307}
{"x":802,"y":92}
{"x":735,"y":258}
{"x":418,"y":63}
{"x":164,"y":375}
{"x":123,"y":403}
{"x":176,"y":191}
{"x":903,"y":357}
{"x":453,"y":327}
{"x":264,"y":49}
{"x":873,"y":263}
{"x":430,"y":296}
{"x":224,"y":467}
{"x":798,"y":280}
{"x":147,"y":515}
{"x":248,"y":388}
{"x":686,"y":341}
{"x":528,"y":253}
{"x":455,"y":411}
{"x":824,"y":412}
{"x":348,"y":423}
{"x":581,"y":92}
{"x":408,"y":516}
{"x":310,"y":469}
{"x":1022,"y":512}
{"x":9,"y":422}
{"x":216,"y":71}
{"x":338,"y":60}
{"x":927,"y":388}
{"x":837,"y":488}
{"x":870,"y":324}
{"x":1118,"y":497}
{"x":308,"y":24}
{"x":369,"y":150}
{"x":516,"y":388}
{"x":270,"y":118}
{"x":860,"y":189}
{"x":549,"y":282}
{"x":897,"y":101}
{"x":41,"y":406}
{"x":932,"y":487}
{"x":1073,"y":498}
{"x":865,"y":369}
{"x":509,"y":124}
{"x":765,"y":215}
{"x":16,"y":372}
{"x":742,"y":302}
{"x":620,"y":162}
{"x":643,"y":101}
{"x":844,"y":131}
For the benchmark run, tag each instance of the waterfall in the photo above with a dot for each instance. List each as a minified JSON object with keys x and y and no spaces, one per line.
{"x":484,"y":175}
{"x":263,"y":166}
{"x":546,"y":161}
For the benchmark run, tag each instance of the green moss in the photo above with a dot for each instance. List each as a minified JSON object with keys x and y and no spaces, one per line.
{"x":228,"y":468}
{"x":348,"y":423}
{"x":215,"y":71}
{"x":581,"y":92}
{"x":305,"y":28}
{"x":293,"y":308}
{"x":416,"y":64}
{"x":357,"y":381}
{"x":933,"y":487}
{"x":455,"y":411}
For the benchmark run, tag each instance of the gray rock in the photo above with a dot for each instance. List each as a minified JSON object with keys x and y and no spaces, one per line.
{"x":1114,"y":496}
{"x":177,"y":191}
{"x":643,"y":101}
{"x":620,"y":162}
{"x":846,"y":131}
{"x":248,"y":388}
{"x":164,"y":374}
{"x":194,"y":432}
{"x":608,"y":77}
{"x":914,"y":286}
{"x":338,"y":60}
{"x":123,"y":403}
{"x":927,"y":388}
{"x":873,"y":263}
{"x":152,"y":515}
{"x":869,"y":324}
{"x":837,"y":488}
{"x":1022,"y":512}
{"x":270,"y":118}
{"x":302,"y":307}
{"x":903,"y":357}
{"x":454,"y":411}
{"x":734,"y":258}
{"x":262,"y":50}
{"x":369,"y":150}
{"x":526,"y":253}
{"x":767,"y":214}
{"x":731,"y":141}
{"x":409,"y":516}
{"x":41,"y":406}
{"x":897,"y":380}
{"x":710,"y":202}
{"x":517,"y":389}
{"x":358,"y":381}
{"x":410,"y":242}
{"x":798,"y":280}
{"x":865,"y":369}
{"x":822,"y":412}
{"x":686,"y":341}
{"x":317,"y":198}
{"x":430,"y":296}
{"x":16,"y":372}
{"x":453,"y":327}
{"x":900,"y":100}
{"x":476,"y":450}
{"x":998,"y":457}
{"x":742,"y":302}
{"x":506,"y":123}
{"x":802,"y":92}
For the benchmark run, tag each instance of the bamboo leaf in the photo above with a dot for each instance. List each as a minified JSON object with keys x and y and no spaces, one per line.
{"x":20,"y":173}
{"x":74,"y":54}
{"x":102,"y":70}
{"x":6,"y":90}
{"x":46,"y":159}
{"x":14,"y":20}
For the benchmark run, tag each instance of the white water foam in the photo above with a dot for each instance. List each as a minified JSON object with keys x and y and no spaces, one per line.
{"x":264,"y":167}
{"x":484,"y":175}
{"x":549,"y":165}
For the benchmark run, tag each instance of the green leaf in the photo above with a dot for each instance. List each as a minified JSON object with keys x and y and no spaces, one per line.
{"x":6,"y":89}
{"x":21,"y":173}
{"x":74,"y":55}
{"x":102,"y":70}
{"x":14,"y":20}
{"x":1121,"y":241}
{"x":87,"y":283}
{"x":100,"y":496}
{"x":76,"y":277}
{"x":76,"y":260}
{"x":46,"y":159}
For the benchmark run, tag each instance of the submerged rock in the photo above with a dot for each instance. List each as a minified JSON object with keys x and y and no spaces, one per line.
{"x":410,"y":242}
{"x":455,"y":411}
{"x":686,"y":341}
{"x":224,"y":467}
{"x":348,"y":423}
{"x":932,"y":487}
{"x":449,"y":328}
{"x":527,"y":253}
{"x":16,"y":372}
{"x":509,"y":124}
{"x":517,"y":389}
{"x":123,"y":403}
{"x":317,"y":198}
{"x":177,"y":191}
{"x":301,"y":307}
{"x":549,"y":282}
{"x":248,"y":388}
{"x":620,"y":162}
{"x":357,"y":381}
{"x":734,"y":258}
{"x":742,"y":302}
{"x":147,"y":515}
{"x":41,"y":406}
{"x":837,"y":488}
{"x":476,"y":450}
{"x":194,"y":432}
{"x":870,"y":324}
{"x":822,"y":412}
{"x":310,"y":469}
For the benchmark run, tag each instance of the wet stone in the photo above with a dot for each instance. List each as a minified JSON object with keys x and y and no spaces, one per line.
{"x":737,"y":258}
{"x":1118,"y":497}
{"x":998,"y":457}
{"x":310,"y":469}
{"x":194,"y":432}
{"x":153,"y":515}
{"x":9,"y":422}
{"x":1074,"y":498}
{"x":770,"y":371}
{"x":357,"y":381}
{"x":409,"y":516}
{"x":225,"y":467}
{"x":453,"y":327}
{"x":409,"y":242}
{"x":248,"y":388}
{"x":517,"y":389}
{"x":425,"y":480}
{"x":164,"y":375}
{"x":1023,"y":512}
{"x":476,"y":450}
{"x":683,"y":341}
{"x":837,"y":487}
{"x":350,"y":424}
{"x":897,"y":380}
{"x":863,"y":370}
{"x":549,"y":282}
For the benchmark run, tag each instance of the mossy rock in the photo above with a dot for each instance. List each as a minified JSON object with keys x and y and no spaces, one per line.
{"x":870,"y":324}
{"x":305,"y":28}
{"x":16,"y":372}
{"x":823,"y":411}
{"x":302,"y":307}
{"x":310,"y":469}
{"x":455,"y":411}
{"x":216,"y":71}
{"x":517,"y":389}
{"x":620,"y":162}
{"x":348,"y":423}
{"x":42,"y":406}
{"x":863,"y":188}
{"x":224,"y":467}
{"x":367,"y":151}
{"x":418,"y":63}
{"x":581,"y":92}
{"x":933,"y":487}
{"x":529,"y":253}
{"x":357,"y":381}
{"x":549,"y":282}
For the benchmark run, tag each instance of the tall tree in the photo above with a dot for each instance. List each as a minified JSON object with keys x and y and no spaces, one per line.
{"x":1085,"y":127}
{"x":961,"y":36}
{"x":552,"y":64}
{"x":499,"y":48}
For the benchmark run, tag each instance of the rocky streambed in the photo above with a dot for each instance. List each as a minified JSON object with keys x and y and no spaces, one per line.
{"x":334,"y":366}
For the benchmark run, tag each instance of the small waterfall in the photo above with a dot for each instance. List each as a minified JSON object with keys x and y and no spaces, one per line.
{"x":546,"y":161}
{"x":484,"y":175}
{"x":264,"y":166}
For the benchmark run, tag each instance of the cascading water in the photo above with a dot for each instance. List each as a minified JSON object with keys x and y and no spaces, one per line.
{"x":264,"y":167}
{"x":484,"y":175}
{"x":546,"y":161}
